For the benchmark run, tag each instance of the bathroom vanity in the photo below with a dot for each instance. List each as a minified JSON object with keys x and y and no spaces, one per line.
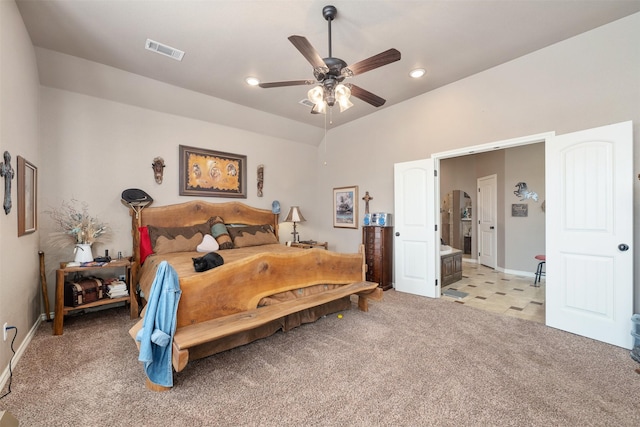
{"x":450,"y":267}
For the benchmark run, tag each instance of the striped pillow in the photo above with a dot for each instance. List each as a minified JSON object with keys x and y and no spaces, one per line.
{"x":220,"y":233}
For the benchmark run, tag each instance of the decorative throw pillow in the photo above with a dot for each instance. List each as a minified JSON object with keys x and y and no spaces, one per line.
{"x":209,"y":244}
{"x":177,"y":239}
{"x":252,"y":235}
{"x":220,"y":233}
{"x":145,"y":244}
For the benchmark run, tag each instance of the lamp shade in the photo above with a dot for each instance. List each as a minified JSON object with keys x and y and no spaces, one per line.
{"x":343,"y":93}
{"x":294,"y":215}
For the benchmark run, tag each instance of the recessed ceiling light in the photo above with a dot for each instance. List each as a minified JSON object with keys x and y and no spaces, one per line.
{"x":417,"y":73}
{"x":252,"y":81}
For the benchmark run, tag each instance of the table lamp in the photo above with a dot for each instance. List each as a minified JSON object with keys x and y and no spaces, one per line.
{"x":294,"y":216}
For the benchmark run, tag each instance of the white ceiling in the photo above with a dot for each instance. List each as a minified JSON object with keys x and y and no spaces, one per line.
{"x":226,"y":41}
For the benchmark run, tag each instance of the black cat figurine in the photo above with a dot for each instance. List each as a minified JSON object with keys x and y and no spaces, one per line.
{"x":207,"y":262}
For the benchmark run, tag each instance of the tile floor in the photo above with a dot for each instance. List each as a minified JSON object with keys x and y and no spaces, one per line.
{"x":498,"y":292}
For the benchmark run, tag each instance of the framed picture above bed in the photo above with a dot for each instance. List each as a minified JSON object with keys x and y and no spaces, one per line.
{"x":211,"y":173}
{"x":345,"y":207}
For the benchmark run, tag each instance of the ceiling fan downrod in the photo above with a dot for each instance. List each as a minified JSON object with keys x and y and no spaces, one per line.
{"x":329,"y":13}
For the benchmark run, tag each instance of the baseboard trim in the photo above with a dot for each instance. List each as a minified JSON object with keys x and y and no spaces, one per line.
{"x":19,"y":352}
{"x":516,"y":272}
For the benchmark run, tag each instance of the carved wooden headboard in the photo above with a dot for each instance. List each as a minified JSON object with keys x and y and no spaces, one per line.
{"x":196,"y":212}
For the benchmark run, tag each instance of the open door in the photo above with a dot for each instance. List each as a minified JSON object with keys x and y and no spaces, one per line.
{"x":488,"y":221}
{"x":589,"y":233}
{"x":415,"y":235}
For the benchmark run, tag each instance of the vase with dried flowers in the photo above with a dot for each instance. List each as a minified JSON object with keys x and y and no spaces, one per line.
{"x":75,"y":226}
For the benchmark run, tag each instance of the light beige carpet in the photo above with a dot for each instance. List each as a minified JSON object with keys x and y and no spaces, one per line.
{"x":408,"y":361}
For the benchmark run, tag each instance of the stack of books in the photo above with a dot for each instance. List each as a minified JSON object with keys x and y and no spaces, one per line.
{"x":117,"y":289}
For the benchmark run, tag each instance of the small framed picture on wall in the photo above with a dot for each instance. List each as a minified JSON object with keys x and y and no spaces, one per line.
{"x":345,"y":207}
{"x":27,"y":197}
{"x":520,"y":210}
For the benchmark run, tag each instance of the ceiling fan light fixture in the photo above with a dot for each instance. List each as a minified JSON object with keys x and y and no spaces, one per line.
{"x":319,"y":108}
{"x":316,"y":94}
{"x":417,"y":73}
{"x":252,"y":81}
{"x":343,"y":93}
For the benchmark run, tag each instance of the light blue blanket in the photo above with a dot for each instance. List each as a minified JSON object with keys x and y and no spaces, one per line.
{"x":159,"y":325}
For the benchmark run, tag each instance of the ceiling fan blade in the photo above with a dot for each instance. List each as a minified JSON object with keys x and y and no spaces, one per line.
{"x":384,"y":58}
{"x":366,"y":96}
{"x":308,"y":51}
{"x":287,"y":83}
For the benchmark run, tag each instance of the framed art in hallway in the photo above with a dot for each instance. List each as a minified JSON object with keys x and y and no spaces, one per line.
{"x":520,"y":210}
{"x":212,"y":173}
{"x":345,"y":207}
{"x":27,"y":197}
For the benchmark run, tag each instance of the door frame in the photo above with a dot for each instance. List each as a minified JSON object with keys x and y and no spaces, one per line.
{"x":476,"y":149}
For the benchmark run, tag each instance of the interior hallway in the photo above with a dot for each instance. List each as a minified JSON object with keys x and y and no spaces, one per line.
{"x":491,"y":290}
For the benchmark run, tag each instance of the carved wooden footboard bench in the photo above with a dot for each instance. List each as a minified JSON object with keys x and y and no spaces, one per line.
{"x":191,"y":336}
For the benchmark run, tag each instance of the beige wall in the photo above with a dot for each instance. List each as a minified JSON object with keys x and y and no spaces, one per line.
{"x":96,"y":148}
{"x":524,"y":237}
{"x":19,"y":273}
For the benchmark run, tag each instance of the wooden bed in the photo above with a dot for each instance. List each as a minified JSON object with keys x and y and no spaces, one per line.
{"x":258,"y":291}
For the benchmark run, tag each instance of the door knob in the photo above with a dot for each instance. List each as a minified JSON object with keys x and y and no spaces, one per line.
{"x":623,"y":247}
{"x":491,"y":228}
{"x":397,"y":233}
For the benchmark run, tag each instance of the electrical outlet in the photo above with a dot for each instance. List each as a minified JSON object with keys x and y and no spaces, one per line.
{"x":4,"y":331}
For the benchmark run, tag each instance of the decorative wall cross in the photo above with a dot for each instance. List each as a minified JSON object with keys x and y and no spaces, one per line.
{"x":366,"y":199}
{"x":8,"y":173}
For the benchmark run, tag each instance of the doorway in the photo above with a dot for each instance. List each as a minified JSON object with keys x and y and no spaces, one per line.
{"x":518,"y":239}
{"x":507,"y":245}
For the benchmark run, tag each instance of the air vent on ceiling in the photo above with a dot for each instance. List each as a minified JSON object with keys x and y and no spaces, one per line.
{"x":306,"y":103}
{"x":163,"y":49}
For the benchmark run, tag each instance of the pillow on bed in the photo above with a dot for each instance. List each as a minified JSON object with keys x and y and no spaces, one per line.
{"x":209,"y":244}
{"x":177,"y":239}
{"x":220,"y":232}
{"x":252,"y":235}
{"x":145,"y":244}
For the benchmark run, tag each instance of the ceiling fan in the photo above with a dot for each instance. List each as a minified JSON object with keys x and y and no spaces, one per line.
{"x":330,"y":72}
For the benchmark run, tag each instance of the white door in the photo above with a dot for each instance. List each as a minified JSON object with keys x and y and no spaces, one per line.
{"x":415,"y":235}
{"x":589,"y":208}
{"x":487,"y":221}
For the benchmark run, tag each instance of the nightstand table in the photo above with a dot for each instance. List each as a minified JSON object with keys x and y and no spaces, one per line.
{"x":61,"y":310}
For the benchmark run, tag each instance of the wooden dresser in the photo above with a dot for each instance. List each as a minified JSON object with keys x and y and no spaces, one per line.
{"x":378,"y":247}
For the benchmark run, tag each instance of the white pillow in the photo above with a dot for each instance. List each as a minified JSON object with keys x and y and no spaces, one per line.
{"x":209,"y":244}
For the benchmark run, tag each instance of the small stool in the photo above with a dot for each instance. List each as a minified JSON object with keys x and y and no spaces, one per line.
{"x":539,"y":272}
